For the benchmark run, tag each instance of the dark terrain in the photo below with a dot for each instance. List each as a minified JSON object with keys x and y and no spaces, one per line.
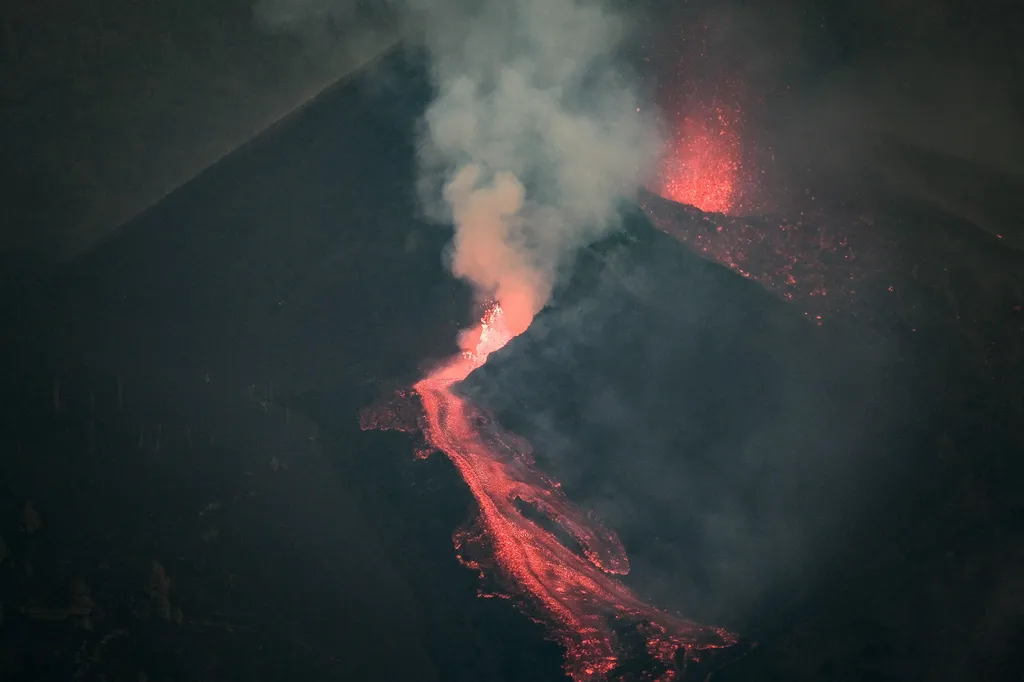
{"x":186,"y":494}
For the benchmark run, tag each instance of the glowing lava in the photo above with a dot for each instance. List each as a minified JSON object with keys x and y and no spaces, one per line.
{"x":702,"y":163}
{"x":572,"y":592}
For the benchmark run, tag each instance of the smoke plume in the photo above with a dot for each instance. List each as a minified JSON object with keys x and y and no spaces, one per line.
{"x":534,"y":136}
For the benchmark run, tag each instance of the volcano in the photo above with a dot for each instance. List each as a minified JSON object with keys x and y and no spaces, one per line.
{"x":188,"y":397}
{"x":657,"y":381}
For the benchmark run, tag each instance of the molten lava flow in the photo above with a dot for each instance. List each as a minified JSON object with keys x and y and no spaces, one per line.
{"x":573,"y":593}
{"x":702,"y":163}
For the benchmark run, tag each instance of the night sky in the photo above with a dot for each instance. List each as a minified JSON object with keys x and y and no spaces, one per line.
{"x":110,"y":105}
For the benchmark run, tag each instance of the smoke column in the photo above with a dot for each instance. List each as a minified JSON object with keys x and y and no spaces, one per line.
{"x":534,"y":135}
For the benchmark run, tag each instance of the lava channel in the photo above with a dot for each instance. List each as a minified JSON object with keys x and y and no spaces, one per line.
{"x":573,"y":593}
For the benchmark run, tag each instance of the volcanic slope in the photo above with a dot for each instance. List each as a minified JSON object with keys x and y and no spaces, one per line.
{"x":767,"y":474}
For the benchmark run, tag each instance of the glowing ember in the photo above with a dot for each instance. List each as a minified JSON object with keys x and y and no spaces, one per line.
{"x":702,"y":163}
{"x":571,"y":592}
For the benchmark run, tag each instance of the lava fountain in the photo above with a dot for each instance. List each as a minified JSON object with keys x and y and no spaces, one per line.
{"x":702,"y":163}
{"x":572,"y":590}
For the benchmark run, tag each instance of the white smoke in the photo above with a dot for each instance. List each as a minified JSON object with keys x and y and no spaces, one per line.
{"x":535,"y":134}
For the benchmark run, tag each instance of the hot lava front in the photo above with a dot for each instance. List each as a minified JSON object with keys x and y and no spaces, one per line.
{"x":571,"y":589}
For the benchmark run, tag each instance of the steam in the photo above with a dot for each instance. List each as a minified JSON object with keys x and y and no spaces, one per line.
{"x":534,"y":136}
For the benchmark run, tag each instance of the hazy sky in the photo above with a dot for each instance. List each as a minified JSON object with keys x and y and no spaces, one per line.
{"x":109,"y":105}
{"x":925,"y":97}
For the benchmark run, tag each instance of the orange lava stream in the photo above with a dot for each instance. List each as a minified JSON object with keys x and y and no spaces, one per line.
{"x":574,"y":594}
{"x":702,"y":163}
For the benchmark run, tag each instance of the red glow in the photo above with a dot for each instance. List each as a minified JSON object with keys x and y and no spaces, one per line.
{"x":702,"y":162}
{"x":574,"y":594}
